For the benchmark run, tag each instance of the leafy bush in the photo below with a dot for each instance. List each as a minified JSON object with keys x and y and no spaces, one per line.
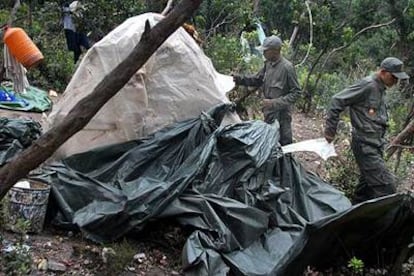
{"x":225,"y":53}
{"x":122,"y":254}
{"x":16,"y":258}
{"x":18,"y":261}
{"x":356,"y":265}
{"x":343,"y":171}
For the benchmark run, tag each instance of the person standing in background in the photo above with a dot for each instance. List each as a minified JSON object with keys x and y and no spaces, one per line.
{"x":280,"y":86}
{"x":74,"y":27}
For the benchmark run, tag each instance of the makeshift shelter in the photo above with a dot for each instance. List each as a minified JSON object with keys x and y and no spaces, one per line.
{"x":177,"y":82}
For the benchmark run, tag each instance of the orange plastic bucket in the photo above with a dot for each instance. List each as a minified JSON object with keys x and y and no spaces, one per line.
{"x":22,"y":47}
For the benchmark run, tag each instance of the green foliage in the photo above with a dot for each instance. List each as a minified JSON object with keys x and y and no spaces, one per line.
{"x":322,"y":87}
{"x":281,"y":14}
{"x":18,"y":261}
{"x":123,"y":253}
{"x":343,"y":171}
{"x":399,"y":103}
{"x":224,"y":52}
{"x":22,"y":226}
{"x":347,"y":34}
{"x":223,"y":16}
{"x":402,"y":166}
{"x":329,"y":84}
{"x":4,"y":16}
{"x":356,"y":265}
{"x":102,"y":16}
{"x":3,"y":211}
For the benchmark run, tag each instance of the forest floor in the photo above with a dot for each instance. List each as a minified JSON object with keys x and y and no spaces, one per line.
{"x":154,"y":251}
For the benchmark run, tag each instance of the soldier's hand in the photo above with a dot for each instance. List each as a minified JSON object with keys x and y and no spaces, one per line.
{"x":329,"y":138}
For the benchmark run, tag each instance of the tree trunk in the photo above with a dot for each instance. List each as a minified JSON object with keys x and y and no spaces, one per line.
{"x":401,"y":138}
{"x":293,"y":36}
{"x":16,"y":6}
{"x":85,"y":109}
{"x":256,"y":5}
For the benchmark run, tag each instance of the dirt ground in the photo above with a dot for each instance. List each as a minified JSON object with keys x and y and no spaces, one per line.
{"x":154,"y":251}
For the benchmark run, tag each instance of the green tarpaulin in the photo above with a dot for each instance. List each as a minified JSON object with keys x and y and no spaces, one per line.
{"x":33,"y":99}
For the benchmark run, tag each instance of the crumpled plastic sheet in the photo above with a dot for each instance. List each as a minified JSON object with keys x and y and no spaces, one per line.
{"x":15,"y":136}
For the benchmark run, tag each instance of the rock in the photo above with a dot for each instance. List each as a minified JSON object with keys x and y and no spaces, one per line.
{"x":42,"y":265}
{"x":155,"y":271}
{"x":52,"y":93}
{"x":56,"y":266}
{"x":107,"y":253}
{"x":140,"y":257}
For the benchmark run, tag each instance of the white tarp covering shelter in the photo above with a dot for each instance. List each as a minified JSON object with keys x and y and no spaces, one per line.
{"x":177,"y":82}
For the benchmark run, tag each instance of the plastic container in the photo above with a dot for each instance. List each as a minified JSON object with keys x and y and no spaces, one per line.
{"x":22,"y":47}
{"x":27,"y":203}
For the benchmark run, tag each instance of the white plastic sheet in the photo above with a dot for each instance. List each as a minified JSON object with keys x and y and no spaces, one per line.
{"x":319,"y":146}
{"x":178,"y":82}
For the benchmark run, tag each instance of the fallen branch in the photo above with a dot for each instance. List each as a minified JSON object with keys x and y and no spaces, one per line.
{"x":85,"y":109}
{"x":400,"y":139}
{"x":402,"y":146}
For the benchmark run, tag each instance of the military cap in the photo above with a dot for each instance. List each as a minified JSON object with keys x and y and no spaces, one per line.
{"x":272,"y":42}
{"x":395,"y":67}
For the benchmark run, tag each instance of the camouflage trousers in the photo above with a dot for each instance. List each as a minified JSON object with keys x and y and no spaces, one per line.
{"x":285,"y":121}
{"x":375,"y":178}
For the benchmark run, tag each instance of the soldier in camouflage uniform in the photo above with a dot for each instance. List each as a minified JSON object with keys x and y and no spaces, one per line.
{"x":280,"y":87}
{"x":368,"y":114}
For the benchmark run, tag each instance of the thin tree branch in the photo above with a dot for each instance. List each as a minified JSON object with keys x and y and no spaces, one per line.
{"x":213,"y":29}
{"x":376,"y":26}
{"x":310,"y":34}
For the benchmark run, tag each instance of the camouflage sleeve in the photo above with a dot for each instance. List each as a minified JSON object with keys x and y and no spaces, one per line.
{"x":294,"y":90}
{"x":255,"y":80}
{"x":347,"y":97}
